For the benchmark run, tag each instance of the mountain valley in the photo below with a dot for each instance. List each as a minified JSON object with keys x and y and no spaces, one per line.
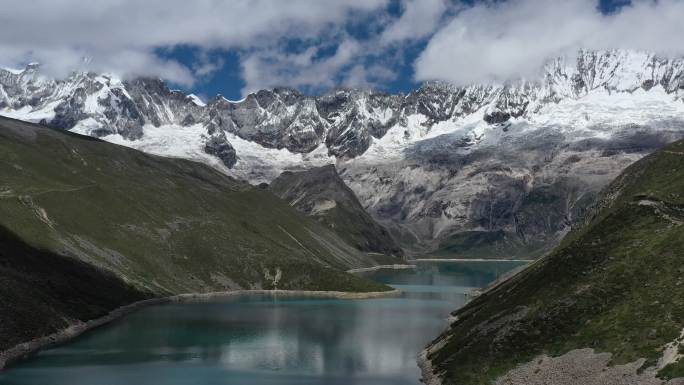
{"x":129,"y":190}
{"x":89,"y":226}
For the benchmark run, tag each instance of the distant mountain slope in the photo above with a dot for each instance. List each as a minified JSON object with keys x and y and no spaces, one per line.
{"x":87,"y":226}
{"x":482,"y":170}
{"x":322,"y":194}
{"x":614,"y":285}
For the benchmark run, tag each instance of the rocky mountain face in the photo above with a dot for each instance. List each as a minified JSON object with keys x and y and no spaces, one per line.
{"x":605,"y":307}
{"x":479,"y":170}
{"x":321,"y":193}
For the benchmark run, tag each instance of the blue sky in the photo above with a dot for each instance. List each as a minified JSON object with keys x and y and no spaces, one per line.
{"x":227,"y":79}
{"x":235,"y":47}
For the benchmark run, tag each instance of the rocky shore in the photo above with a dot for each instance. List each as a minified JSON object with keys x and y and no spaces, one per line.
{"x":582,"y":366}
{"x":428,"y":375}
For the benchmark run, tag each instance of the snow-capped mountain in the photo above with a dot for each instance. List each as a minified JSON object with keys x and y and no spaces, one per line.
{"x":500,"y":168}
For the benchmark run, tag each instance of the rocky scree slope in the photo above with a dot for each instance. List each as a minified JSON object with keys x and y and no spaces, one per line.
{"x":612,"y":285}
{"x":87,"y":226}
{"x":479,"y":170}
{"x":320,"y":193}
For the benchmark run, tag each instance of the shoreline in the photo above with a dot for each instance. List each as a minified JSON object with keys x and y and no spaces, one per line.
{"x":380,"y":267}
{"x":427,"y":371}
{"x":468,"y":260}
{"x":25,"y":349}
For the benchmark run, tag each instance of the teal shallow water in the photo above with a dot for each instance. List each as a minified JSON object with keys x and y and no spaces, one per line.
{"x":264,"y":340}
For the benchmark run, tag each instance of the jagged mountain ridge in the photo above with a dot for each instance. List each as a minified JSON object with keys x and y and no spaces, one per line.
{"x":344,"y":120}
{"x":446,"y":167}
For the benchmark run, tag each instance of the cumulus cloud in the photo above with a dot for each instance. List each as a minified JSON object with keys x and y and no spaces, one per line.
{"x":368,"y":76}
{"x":122,"y":35}
{"x":368,"y":63}
{"x":498,"y":41}
{"x":308,"y":69}
{"x":419,"y":19}
{"x":207,"y":65}
{"x":316,"y":44}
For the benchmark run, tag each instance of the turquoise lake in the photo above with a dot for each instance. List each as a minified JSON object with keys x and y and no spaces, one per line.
{"x":268,"y":340}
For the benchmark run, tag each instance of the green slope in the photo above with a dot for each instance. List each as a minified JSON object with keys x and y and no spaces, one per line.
{"x":615,"y":285}
{"x":323,"y":195}
{"x":87,"y":226}
{"x":164,"y":225}
{"x":43,"y":292}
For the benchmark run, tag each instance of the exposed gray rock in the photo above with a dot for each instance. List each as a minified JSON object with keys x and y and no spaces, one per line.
{"x":582,"y":366}
{"x":218,"y":146}
{"x":321,"y":193}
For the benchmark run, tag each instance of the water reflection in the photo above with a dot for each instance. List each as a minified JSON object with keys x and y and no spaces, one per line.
{"x":262,"y":339}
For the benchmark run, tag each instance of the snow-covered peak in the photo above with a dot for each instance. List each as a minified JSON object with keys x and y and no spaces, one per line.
{"x":347,"y":121}
{"x":13,"y":71}
{"x":196,"y":99}
{"x":220,"y":98}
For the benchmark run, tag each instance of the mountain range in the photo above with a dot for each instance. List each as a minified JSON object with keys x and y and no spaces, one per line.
{"x":480,"y":170}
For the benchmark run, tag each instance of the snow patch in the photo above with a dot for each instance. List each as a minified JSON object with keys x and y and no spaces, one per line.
{"x":13,"y":71}
{"x":259,"y":164}
{"x":197,"y":100}
{"x":173,"y":141}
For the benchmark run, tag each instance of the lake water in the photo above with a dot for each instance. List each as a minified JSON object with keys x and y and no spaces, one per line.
{"x":265,"y":339}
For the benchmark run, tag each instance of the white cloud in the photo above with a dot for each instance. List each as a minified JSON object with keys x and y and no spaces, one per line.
{"x":499,"y":41}
{"x":274,"y":67}
{"x":121,"y":35}
{"x":352,"y":64}
{"x":490,"y":41}
{"x":207,"y":65}
{"x":356,"y":63}
{"x":361,"y":76}
{"x":419,"y":19}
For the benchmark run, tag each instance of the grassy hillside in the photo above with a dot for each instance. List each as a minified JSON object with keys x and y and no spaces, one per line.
{"x":44,"y":291}
{"x":163,"y":225}
{"x":323,"y":195}
{"x":86,"y":226}
{"x":615,"y":285}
